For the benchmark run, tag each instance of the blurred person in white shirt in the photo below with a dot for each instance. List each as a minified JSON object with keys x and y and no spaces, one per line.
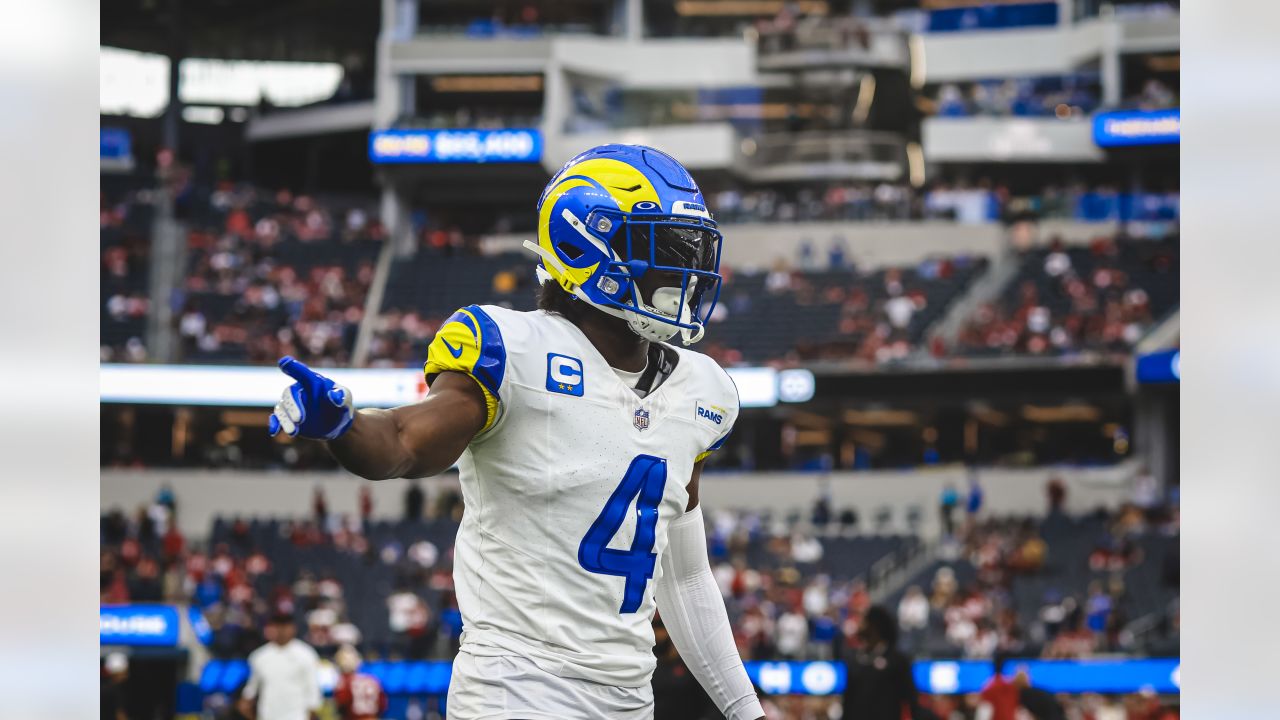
{"x":913,"y":617}
{"x":793,"y":632}
{"x":283,"y":682}
{"x":899,"y":310}
{"x":913,"y":610}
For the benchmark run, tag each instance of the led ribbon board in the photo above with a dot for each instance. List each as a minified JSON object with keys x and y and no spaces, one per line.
{"x":138,"y":625}
{"x":455,"y":146}
{"x":259,"y":386}
{"x":1137,"y":127}
{"x":942,"y":677}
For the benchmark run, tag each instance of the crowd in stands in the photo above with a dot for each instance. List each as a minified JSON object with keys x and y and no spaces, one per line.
{"x":272,"y":274}
{"x":124,"y":239}
{"x":1102,"y":297}
{"x":386,"y":587}
{"x":981,"y":201}
{"x":820,"y":309}
{"x":1155,"y":95}
{"x":797,"y":590}
{"x":1127,"y":8}
{"x":796,"y":587}
{"x":855,"y":201}
{"x":266,"y":274}
{"x":1063,"y":96}
{"x":1057,"y":586}
{"x":1053,"y":96}
{"x":835,"y":314}
{"x":1060,"y":588}
{"x":269,"y":274}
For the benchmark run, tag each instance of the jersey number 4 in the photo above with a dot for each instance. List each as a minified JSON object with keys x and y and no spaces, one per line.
{"x":646,"y":478}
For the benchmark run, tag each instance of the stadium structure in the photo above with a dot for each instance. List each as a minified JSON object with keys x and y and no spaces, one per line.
{"x":951,"y":312}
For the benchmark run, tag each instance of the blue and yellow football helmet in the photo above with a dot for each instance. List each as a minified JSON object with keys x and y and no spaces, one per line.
{"x":625,"y":229}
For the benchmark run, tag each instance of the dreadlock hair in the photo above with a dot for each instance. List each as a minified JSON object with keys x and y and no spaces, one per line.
{"x":554,"y":299}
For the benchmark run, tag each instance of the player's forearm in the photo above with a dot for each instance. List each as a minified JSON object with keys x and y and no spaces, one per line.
{"x":410,"y":441}
{"x":418,"y":440}
{"x":372,"y":448}
{"x":694,"y":614}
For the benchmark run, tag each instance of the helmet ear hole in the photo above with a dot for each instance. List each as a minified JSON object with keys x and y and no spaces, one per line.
{"x":569,"y":250}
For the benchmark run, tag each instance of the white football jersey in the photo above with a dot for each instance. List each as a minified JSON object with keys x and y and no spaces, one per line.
{"x":569,"y":490}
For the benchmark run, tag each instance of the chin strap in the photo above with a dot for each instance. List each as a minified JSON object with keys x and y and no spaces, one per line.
{"x":688,"y":337}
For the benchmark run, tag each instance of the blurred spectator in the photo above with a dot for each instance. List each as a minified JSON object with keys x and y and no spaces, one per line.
{"x":836,"y":254}
{"x":115,"y":673}
{"x":973,"y":505}
{"x":1041,"y":704}
{"x":414,"y":501}
{"x":821,"y":511}
{"x":947,"y":505}
{"x":320,"y":507}
{"x":1156,"y":96}
{"x":1000,"y":698}
{"x":913,"y":616}
{"x":357,"y":695}
{"x":1097,"y":608}
{"x":366,"y":503}
{"x":880,"y":685}
{"x":1056,"y":491}
{"x":283,"y":677}
{"x":1146,"y":489}
{"x":792,"y":634}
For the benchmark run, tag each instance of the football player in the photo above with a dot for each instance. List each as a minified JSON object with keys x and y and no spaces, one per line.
{"x":580,"y":433}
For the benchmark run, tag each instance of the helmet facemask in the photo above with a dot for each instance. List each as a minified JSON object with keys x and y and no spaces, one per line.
{"x":664,"y":277}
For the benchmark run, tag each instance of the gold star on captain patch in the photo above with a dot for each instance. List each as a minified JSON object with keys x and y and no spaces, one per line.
{"x":561,"y":386}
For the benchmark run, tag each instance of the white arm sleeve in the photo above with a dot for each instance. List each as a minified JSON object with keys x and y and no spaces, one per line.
{"x":694,"y":614}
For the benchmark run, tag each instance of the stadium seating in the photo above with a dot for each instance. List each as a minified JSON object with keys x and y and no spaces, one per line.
{"x":760,"y":312}
{"x":1102,"y":297}
{"x":1122,"y":556}
{"x":125,"y":230}
{"x":383,"y":558}
{"x":269,"y":275}
{"x":1136,"y":584}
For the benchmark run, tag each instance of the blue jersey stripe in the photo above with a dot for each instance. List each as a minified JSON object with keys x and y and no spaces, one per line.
{"x":492,"y":363}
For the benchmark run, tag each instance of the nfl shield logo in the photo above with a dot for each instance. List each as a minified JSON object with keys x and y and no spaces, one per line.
{"x":642,"y":419}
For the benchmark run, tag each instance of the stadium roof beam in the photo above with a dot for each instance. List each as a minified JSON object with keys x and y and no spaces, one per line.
{"x":299,"y":30}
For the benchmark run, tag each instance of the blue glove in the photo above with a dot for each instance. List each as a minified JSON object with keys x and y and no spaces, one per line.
{"x":313,"y":406}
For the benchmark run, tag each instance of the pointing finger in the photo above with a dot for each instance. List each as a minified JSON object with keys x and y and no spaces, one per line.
{"x":295,"y":369}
